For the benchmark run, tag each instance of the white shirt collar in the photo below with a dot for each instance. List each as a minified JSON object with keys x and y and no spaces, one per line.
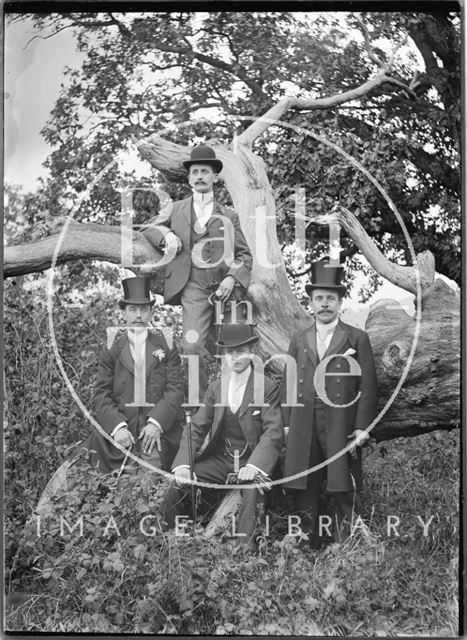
{"x":137,"y":333}
{"x":237,"y":388}
{"x":328,"y":326}
{"x":203,"y":198}
{"x":240,"y":379}
{"x":136,"y":340}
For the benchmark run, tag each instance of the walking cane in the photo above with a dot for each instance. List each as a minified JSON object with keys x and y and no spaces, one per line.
{"x":191,"y":461}
{"x":212,"y":303}
{"x":120,"y":471}
{"x":219,"y":330}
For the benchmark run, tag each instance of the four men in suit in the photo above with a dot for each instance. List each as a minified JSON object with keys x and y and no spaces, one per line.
{"x":210,"y":253}
{"x":147,"y":426}
{"x":338,"y":395}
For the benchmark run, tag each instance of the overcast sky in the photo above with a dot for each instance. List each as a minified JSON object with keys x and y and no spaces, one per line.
{"x":33,"y":74}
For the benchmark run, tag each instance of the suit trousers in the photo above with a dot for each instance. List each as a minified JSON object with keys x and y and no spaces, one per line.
{"x":148,"y":476}
{"x":215,"y":470}
{"x":347,"y":503}
{"x":159,"y":459}
{"x":197,"y":317}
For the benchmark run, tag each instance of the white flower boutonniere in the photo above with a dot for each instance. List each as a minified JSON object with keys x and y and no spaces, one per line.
{"x":159,"y":354}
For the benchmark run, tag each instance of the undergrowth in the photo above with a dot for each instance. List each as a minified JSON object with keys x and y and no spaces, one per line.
{"x":124,"y":581}
{"x":124,"y":574}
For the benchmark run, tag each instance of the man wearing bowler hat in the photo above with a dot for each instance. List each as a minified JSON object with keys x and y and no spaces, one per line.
{"x":145,"y":425}
{"x":338,"y":393}
{"x":242,"y":412}
{"x":211,"y":255}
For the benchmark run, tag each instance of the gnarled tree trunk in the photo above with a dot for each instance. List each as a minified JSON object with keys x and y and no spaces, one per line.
{"x":429,"y":396}
{"x":427,"y":399}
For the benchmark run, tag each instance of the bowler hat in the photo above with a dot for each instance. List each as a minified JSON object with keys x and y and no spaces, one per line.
{"x":325,"y":276}
{"x":236,"y":335}
{"x":203,"y":155}
{"x":136,"y":291}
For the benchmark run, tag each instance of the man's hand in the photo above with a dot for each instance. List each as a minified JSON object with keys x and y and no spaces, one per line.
{"x":182,"y":476}
{"x":247,"y":474}
{"x":172,"y":243}
{"x":225,"y":288}
{"x":151,"y":435}
{"x":124,"y":438}
{"x":359,"y":438}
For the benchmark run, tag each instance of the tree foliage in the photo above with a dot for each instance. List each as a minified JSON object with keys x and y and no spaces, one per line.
{"x":148,"y":72}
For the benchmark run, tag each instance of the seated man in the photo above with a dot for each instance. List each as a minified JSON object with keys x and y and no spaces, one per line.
{"x":246,"y":433}
{"x":145,"y":425}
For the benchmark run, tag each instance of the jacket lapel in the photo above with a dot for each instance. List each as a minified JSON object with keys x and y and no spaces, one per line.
{"x":248,"y":395}
{"x":152,"y":344}
{"x":312,"y":350}
{"x":183,"y":222}
{"x":215,"y":225}
{"x":338,"y":339}
{"x":125,"y":356}
{"x":219,"y":408}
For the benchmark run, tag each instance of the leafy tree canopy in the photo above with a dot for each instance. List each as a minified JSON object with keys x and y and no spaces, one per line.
{"x":153,"y":72}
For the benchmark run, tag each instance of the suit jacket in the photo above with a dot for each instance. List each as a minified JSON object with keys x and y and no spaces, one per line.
{"x":341,"y":389}
{"x":262,"y":425}
{"x":115,"y":388}
{"x":177,"y":216}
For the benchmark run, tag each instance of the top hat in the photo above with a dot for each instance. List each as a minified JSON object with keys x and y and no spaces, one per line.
{"x":325,"y":276}
{"x":136,"y":291}
{"x":203,"y":155}
{"x":236,"y":335}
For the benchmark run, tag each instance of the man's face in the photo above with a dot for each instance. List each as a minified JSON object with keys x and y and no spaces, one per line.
{"x":201,"y":177}
{"x":238,"y":358}
{"x":325,"y":304}
{"x":137,"y":315}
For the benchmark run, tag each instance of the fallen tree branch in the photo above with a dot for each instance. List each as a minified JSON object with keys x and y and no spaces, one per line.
{"x":402,"y":276}
{"x":81,"y":241}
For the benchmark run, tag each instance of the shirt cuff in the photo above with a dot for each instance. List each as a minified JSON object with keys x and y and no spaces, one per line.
{"x":248,"y":464}
{"x":181,"y":466}
{"x":119,"y":426}
{"x":155,"y":422}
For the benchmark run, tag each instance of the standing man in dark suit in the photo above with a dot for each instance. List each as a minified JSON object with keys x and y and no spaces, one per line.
{"x":211,"y":255}
{"x":338,"y":392}
{"x":242,"y":412}
{"x":149,"y":429}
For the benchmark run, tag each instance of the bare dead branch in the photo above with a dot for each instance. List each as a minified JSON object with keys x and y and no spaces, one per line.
{"x":367,"y":41}
{"x":401,"y":276}
{"x":81,"y":241}
{"x":277,"y":112}
{"x":402,"y":85}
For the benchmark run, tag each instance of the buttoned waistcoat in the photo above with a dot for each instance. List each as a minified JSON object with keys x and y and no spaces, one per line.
{"x":260,"y":420}
{"x":236,"y":261}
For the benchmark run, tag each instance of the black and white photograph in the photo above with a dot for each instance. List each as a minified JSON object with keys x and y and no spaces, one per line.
{"x":232,"y":319}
